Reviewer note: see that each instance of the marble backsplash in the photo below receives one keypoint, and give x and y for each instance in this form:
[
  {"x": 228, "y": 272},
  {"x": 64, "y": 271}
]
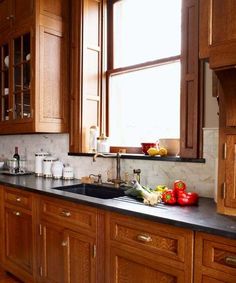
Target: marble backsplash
[{"x": 200, "y": 177}]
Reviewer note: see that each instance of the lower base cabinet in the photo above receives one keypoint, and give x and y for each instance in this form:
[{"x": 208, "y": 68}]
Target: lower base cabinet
[
  {"x": 68, "y": 242},
  {"x": 67, "y": 256},
  {"x": 49, "y": 240},
  {"x": 140, "y": 251},
  {"x": 215, "y": 259}
]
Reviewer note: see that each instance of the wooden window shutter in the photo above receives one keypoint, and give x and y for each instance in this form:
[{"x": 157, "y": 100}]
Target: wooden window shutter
[
  {"x": 86, "y": 70},
  {"x": 190, "y": 99}
]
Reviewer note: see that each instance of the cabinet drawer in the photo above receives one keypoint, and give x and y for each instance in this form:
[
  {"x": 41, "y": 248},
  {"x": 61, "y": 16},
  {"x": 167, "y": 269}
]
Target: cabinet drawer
[
  {"x": 164, "y": 240},
  {"x": 18, "y": 198},
  {"x": 78, "y": 215},
  {"x": 219, "y": 254}
]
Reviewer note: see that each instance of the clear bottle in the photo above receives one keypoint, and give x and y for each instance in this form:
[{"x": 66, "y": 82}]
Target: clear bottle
[
  {"x": 102, "y": 144},
  {"x": 93, "y": 134}
]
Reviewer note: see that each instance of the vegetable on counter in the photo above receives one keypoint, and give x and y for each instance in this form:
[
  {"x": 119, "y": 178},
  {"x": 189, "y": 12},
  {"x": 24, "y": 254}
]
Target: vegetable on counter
[
  {"x": 149, "y": 196},
  {"x": 169, "y": 197},
  {"x": 190, "y": 198},
  {"x": 179, "y": 186}
]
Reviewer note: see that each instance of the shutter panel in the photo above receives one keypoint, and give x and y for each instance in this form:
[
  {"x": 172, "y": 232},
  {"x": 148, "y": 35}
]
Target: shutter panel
[
  {"x": 190, "y": 100},
  {"x": 87, "y": 70}
]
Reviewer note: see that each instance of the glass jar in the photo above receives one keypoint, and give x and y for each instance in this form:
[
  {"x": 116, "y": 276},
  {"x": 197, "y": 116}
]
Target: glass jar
[{"x": 102, "y": 144}]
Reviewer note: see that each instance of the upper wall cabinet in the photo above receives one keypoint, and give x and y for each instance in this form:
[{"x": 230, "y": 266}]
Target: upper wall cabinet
[
  {"x": 218, "y": 32},
  {"x": 34, "y": 66}
]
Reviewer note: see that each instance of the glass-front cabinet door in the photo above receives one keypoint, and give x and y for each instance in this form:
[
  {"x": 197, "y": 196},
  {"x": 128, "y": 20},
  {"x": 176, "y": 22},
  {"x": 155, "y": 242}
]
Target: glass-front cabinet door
[
  {"x": 5, "y": 81},
  {"x": 21, "y": 77}
]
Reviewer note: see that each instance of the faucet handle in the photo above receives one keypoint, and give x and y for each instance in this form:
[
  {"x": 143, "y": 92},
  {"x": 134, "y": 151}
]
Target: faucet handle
[
  {"x": 137, "y": 173},
  {"x": 99, "y": 178}
]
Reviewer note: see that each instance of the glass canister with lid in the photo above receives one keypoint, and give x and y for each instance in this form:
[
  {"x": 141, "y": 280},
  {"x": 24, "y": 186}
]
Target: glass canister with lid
[{"x": 102, "y": 144}]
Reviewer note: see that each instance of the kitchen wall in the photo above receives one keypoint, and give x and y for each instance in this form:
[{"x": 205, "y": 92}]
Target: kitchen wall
[{"x": 200, "y": 177}]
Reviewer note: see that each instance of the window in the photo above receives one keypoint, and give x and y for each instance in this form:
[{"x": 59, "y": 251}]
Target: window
[
  {"x": 148, "y": 87},
  {"x": 144, "y": 100}
]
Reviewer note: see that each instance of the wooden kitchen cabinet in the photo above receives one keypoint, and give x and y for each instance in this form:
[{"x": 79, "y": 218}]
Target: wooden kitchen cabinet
[
  {"x": 18, "y": 245},
  {"x": 68, "y": 243},
  {"x": 215, "y": 259},
  {"x": 142, "y": 251},
  {"x": 218, "y": 32},
  {"x": 34, "y": 68}
]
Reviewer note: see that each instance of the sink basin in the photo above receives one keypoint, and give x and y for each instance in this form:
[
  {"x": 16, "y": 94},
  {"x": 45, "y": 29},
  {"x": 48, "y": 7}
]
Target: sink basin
[{"x": 93, "y": 190}]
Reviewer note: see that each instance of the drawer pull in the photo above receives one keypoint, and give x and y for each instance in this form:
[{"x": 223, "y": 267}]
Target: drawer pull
[
  {"x": 66, "y": 213},
  {"x": 144, "y": 238},
  {"x": 18, "y": 199},
  {"x": 64, "y": 243},
  {"x": 230, "y": 260},
  {"x": 16, "y": 213}
]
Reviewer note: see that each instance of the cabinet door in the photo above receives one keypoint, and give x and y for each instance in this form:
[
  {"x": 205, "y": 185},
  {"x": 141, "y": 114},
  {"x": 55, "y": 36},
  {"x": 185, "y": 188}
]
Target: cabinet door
[
  {"x": 230, "y": 172},
  {"x": 223, "y": 33},
  {"x": 18, "y": 239},
  {"x": 133, "y": 268},
  {"x": 5, "y": 12},
  {"x": 52, "y": 253},
  {"x": 80, "y": 258}
]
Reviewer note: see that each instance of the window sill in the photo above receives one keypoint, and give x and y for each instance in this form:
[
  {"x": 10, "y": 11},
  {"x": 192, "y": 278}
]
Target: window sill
[{"x": 147, "y": 157}]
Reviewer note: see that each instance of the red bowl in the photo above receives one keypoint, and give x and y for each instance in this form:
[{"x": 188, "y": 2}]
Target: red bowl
[{"x": 146, "y": 146}]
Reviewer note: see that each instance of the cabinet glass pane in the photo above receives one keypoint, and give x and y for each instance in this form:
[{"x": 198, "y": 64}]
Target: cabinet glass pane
[
  {"x": 26, "y": 75},
  {"x": 18, "y": 106},
  {"x": 17, "y": 78},
  {"x": 26, "y": 105},
  {"x": 4, "y": 82},
  {"x": 26, "y": 47},
  {"x": 5, "y": 108},
  {"x": 17, "y": 50}
]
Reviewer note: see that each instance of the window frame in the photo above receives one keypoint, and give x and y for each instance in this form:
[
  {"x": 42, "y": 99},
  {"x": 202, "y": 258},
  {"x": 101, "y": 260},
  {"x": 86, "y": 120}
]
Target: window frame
[{"x": 121, "y": 70}]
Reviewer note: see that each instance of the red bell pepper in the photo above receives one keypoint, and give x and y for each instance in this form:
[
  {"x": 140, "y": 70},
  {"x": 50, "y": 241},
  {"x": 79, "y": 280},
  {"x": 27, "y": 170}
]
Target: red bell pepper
[
  {"x": 168, "y": 197},
  {"x": 179, "y": 186},
  {"x": 187, "y": 198}
]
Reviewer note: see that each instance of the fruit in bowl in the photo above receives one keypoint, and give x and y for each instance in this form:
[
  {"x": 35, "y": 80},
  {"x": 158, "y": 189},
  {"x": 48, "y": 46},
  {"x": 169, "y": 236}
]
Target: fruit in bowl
[{"x": 146, "y": 145}]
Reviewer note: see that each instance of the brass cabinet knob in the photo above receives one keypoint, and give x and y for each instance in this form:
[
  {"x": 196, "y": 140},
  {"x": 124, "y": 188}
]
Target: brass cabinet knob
[
  {"x": 17, "y": 213},
  {"x": 144, "y": 238},
  {"x": 18, "y": 199},
  {"x": 66, "y": 213},
  {"x": 64, "y": 243}
]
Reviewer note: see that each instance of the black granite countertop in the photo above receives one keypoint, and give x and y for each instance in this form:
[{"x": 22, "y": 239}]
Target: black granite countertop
[{"x": 198, "y": 218}]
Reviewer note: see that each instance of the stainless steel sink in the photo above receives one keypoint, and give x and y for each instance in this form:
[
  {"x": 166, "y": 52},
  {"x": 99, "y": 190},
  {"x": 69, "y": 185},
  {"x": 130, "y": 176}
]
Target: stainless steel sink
[{"x": 94, "y": 190}]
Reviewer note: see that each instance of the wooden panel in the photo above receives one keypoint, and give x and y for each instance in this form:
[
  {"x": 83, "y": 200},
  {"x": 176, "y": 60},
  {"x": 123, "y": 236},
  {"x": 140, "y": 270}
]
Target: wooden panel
[
  {"x": 5, "y": 12},
  {"x": 215, "y": 259},
  {"x": 18, "y": 198},
  {"x": 81, "y": 216},
  {"x": 53, "y": 8},
  {"x": 126, "y": 267},
  {"x": 53, "y": 77},
  {"x": 52, "y": 253},
  {"x": 18, "y": 238},
  {"x": 204, "y": 28},
  {"x": 230, "y": 172},
  {"x": 223, "y": 21},
  {"x": 23, "y": 10},
  {"x": 189, "y": 117},
  {"x": 87, "y": 68},
  {"x": 80, "y": 258}
]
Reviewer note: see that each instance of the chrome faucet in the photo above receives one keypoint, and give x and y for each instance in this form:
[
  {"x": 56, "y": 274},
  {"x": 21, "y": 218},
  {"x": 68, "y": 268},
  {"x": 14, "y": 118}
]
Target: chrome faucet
[{"x": 117, "y": 181}]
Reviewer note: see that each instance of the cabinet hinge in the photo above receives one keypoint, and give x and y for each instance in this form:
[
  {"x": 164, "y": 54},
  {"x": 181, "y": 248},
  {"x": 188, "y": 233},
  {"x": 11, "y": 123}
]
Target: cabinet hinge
[
  {"x": 224, "y": 151},
  {"x": 40, "y": 229},
  {"x": 41, "y": 271},
  {"x": 94, "y": 251},
  {"x": 223, "y": 189}
]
